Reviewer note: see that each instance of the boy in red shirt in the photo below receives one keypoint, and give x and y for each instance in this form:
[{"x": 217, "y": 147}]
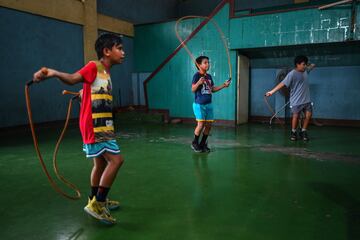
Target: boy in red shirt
[{"x": 96, "y": 121}]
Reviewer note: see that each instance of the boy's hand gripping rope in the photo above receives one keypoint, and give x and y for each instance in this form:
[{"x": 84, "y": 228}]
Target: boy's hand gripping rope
[{"x": 57, "y": 173}]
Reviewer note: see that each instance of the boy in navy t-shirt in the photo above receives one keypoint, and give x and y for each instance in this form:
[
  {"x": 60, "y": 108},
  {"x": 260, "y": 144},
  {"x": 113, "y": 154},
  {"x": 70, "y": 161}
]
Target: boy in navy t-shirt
[
  {"x": 297, "y": 82},
  {"x": 203, "y": 87}
]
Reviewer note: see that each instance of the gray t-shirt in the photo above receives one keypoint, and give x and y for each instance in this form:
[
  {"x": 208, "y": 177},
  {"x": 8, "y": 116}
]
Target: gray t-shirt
[{"x": 298, "y": 84}]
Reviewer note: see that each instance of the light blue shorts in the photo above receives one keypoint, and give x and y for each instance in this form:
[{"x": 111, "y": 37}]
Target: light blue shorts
[
  {"x": 96, "y": 149},
  {"x": 203, "y": 112}
]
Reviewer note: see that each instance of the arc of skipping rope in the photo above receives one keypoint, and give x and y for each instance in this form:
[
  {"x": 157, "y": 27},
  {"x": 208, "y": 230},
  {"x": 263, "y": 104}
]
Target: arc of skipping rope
[
  {"x": 222, "y": 35},
  {"x": 273, "y": 112},
  {"x": 277, "y": 112},
  {"x": 36, "y": 145}
]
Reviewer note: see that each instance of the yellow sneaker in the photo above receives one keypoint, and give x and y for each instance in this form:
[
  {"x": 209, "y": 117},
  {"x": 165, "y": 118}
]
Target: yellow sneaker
[
  {"x": 112, "y": 204},
  {"x": 98, "y": 210}
]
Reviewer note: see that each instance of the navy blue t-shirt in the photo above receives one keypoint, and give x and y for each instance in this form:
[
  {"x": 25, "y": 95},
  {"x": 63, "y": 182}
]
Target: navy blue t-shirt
[{"x": 203, "y": 93}]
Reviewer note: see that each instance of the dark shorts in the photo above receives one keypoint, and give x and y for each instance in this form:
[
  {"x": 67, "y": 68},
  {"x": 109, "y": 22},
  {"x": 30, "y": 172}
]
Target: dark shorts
[{"x": 307, "y": 107}]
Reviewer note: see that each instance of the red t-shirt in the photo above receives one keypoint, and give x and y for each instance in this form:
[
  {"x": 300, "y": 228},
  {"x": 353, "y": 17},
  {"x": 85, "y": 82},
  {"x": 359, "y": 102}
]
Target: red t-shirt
[
  {"x": 96, "y": 120},
  {"x": 88, "y": 72}
]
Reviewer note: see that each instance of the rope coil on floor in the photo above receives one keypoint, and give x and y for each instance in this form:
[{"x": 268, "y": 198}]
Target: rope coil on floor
[
  {"x": 36, "y": 145},
  {"x": 218, "y": 29}
]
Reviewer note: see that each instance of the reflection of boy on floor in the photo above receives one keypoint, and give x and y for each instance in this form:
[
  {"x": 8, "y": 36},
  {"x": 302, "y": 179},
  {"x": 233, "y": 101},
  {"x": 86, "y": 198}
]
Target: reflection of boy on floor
[
  {"x": 203, "y": 87},
  {"x": 297, "y": 82}
]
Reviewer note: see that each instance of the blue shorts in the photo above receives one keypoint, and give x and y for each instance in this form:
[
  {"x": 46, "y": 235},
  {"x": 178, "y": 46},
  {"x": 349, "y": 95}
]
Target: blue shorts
[
  {"x": 307, "y": 107},
  {"x": 96, "y": 149},
  {"x": 203, "y": 112}
]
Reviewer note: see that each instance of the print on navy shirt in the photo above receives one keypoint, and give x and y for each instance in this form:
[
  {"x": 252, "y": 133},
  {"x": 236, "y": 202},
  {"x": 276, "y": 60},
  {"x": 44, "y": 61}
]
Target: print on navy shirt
[{"x": 203, "y": 95}]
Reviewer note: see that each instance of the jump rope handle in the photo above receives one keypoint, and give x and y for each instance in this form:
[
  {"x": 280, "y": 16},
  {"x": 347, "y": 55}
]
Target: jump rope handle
[
  {"x": 44, "y": 71},
  {"x": 65, "y": 92},
  {"x": 29, "y": 83},
  {"x": 76, "y": 94}
]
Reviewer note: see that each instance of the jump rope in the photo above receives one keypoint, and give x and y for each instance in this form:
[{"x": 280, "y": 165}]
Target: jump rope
[
  {"x": 275, "y": 113},
  {"x": 36, "y": 144},
  {"x": 218, "y": 29}
]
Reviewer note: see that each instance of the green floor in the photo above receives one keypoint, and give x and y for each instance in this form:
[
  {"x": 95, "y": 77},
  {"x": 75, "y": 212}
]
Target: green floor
[{"x": 255, "y": 185}]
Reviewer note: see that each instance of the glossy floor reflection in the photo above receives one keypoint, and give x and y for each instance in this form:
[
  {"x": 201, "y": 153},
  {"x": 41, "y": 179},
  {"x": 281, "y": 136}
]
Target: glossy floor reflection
[{"x": 256, "y": 184}]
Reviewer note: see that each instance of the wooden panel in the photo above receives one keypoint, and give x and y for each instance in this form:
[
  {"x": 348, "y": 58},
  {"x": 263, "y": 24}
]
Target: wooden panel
[
  {"x": 243, "y": 90},
  {"x": 72, "y": 11},
  {"x": 90, "y": 30},
  {"x": 115, "y": 25},
  {"x": 65, "y": 10},
  {"x": 77, "y": 12}
]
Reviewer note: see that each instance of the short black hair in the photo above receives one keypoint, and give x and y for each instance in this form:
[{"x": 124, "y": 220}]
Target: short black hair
[
  {"x": 200, "y": 59},
  {"x": 106, "y": 40},
  {"x": 301, "y": 59}
]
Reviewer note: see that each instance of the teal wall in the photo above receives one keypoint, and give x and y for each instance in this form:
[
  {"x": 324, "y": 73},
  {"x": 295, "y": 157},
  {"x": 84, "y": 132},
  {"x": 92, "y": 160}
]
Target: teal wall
[
  {"x": 171, "y": 87},
  {"x": 139, "y": 11},
  {"x": 334, "y": 83},
  {"x": 121, "y": 76},
  {"x": 271, "y": 41},
  {"x": 324, "y": 55},
  {"x": 153, "y": 43},
  {"x": 29, "y": 42},
  {"x": 293, "y": 28},
  {"x": 334, "y": 92}
]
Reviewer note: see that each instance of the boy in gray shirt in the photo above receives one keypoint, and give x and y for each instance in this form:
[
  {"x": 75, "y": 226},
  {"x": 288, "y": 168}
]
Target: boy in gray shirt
[{"x": 297, "y": 82}]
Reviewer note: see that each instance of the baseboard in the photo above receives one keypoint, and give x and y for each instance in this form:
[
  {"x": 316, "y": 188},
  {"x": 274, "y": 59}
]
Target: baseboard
[
  {"x": 130, "y": 108},
  {"x": 168, "y": 118},
  {"x": 164, "y": 112},
  {"x": 217, "y": 122}
]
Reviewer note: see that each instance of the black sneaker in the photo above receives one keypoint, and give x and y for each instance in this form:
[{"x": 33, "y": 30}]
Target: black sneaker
[
  {"x": 293, "y": 136},
  {"x": 205, "y": 148},
  {"x": 304, "y": 136},
  {"x": 196, "y": 147}
]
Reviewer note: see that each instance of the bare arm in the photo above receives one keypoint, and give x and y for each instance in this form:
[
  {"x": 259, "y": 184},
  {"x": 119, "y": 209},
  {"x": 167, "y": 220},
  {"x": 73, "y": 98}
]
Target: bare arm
[
  {"x": 66, "y": 78},
  {"x": 195, "y": 86},
  {"x": 277, "y": 88},
  {"x": 224, "y": 85}
]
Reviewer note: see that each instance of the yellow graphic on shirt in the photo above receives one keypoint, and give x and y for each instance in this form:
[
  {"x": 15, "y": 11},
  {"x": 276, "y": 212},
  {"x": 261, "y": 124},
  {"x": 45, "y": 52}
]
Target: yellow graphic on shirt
[{"x": 101, "y": 100}]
